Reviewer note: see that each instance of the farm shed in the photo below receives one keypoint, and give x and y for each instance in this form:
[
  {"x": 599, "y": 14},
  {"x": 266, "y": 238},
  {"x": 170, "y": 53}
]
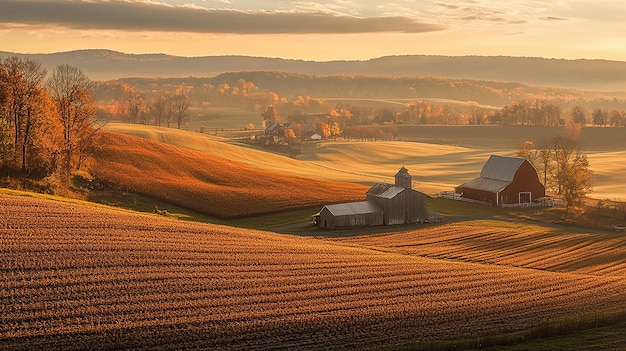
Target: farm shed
[
  {"x": 386, "y": 204},
  {"x": 351, "y": 214},
  {"x": 400, "y": 203},
  {"x": 504, "y": 180}
]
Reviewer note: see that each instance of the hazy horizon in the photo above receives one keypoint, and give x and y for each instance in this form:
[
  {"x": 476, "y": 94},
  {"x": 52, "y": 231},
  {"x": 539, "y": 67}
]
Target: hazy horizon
[{"x": 320, "y": 30}]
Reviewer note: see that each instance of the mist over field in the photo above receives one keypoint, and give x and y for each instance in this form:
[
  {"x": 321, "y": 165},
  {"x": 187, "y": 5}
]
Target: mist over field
[{"x": 600, "y": 75}]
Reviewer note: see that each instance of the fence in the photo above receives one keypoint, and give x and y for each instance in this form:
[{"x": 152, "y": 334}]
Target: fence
[{"x": 545, "y": 202}]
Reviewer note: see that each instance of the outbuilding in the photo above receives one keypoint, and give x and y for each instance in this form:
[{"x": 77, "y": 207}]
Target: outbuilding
[
  {"x": 351, "y": 214},
  {"x": 401, "y": 203},
  {"x": 386, "y": 204},
  {"x": 504, "y": 180}
]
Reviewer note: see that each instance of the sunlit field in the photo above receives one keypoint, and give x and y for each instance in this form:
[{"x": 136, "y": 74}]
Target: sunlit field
[
  {"x": 602, "y": 254},
  {"x": 208, "y": 183},
  {"x": 447, "y": 156},
  {"x": 86, "y": 277},
  {"x": 222, "y": 117}
]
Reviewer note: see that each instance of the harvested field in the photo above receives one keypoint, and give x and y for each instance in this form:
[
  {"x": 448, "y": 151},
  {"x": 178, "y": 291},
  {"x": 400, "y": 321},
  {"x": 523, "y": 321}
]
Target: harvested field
[
  {"x": 602, "y": 254},
  {"x": 86, "y": 277}
]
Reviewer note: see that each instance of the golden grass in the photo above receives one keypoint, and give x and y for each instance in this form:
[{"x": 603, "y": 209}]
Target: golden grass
[
  {"x": 209, "y": 184},
  {"x": 79, "y": 277},
  {"x": 434, "y": 167},
  {"x": 609, "y": 170},
  {"x": 220, "y": 147}
]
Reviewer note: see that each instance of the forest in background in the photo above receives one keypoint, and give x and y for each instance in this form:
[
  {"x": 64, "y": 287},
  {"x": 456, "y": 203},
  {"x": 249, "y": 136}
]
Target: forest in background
[
  {"x": 598, "y": 75},
  {"x": 356, "y": 100}
]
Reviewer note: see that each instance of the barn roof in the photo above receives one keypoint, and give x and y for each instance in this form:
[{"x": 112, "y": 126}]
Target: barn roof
[
  {"x": 497, "y": 173},
  {"x": 385, "y": 190},
  {"x": 501, "y": 167},
  {"x": 486, "y": 184},
  {"x": 354, "y": 208}
]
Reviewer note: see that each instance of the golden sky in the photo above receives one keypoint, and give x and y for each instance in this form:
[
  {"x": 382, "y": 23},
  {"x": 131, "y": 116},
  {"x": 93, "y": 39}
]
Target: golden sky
[{"x": 319, "y": 30}]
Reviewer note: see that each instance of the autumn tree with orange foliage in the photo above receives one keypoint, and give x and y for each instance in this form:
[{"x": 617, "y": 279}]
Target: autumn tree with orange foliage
[
  {"x": 71, "y": 91},
  {"x": 45, "y": 126},
  {"x": 28, "y": 140},
  {"x": 270, "y": 115}
]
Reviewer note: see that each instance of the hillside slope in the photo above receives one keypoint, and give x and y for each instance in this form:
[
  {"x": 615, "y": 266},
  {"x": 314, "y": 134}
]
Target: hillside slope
[
  {"x": 209, "y": 184},
  {"x": 581, "y": 74},
  {"x": 438, "y": 157},
  {"x": 77, "y": 277}
]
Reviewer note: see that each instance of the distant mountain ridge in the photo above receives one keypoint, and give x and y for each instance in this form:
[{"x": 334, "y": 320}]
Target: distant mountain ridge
[{"x": 602, "y": 75}]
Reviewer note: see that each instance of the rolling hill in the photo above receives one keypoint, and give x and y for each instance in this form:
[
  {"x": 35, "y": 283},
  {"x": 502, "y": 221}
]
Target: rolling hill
[
  {"x": 438, "y": 157},
  {"x": 209, "y": 184},
  {"x": 84, "y": 277},
  {"x": 581, "y": 74}
]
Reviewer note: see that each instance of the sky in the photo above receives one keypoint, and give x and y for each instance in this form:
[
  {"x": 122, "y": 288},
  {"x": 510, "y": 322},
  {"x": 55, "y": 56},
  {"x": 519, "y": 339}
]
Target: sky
[{"x": 319, "y": 30}]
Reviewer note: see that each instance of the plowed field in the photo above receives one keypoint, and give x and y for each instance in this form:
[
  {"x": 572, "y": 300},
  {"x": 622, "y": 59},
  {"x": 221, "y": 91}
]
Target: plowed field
[{"x": 81, "y": 277}]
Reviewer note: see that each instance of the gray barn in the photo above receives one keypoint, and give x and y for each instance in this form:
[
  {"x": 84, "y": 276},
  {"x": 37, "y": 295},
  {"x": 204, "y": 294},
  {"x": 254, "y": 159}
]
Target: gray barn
[
  {"x": 386, "y": 204},
  {"x": 351, "y": 214}
]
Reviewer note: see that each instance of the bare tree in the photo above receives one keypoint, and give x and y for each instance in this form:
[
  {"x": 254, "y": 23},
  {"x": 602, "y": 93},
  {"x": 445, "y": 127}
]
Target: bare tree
[
  {"x": 159, "y": 109},
  {"x": 71, "y": 90},
  {"x": 544, "y": 159},
  {"x": 134, "y": 107},
  {"x": 180, "y": 105},
  {"x": 539, "y": 155},
  {"x": 579, "y": 115},
  {"x": 617, "y": 118},
  {"x": 600, "y": 117}
]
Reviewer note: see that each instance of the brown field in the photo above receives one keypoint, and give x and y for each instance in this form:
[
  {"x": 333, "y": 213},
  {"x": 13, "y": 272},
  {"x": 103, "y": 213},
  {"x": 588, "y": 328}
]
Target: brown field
[
  {"x": 207, "y": 183},
  {"x": 85, "y": 277},
  {"x": 438, "y": 157},
  {"x": 602, "y": 254}
]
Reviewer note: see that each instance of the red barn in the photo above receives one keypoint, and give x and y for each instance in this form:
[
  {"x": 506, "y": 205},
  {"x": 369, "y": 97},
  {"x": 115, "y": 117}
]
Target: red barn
[{"x": 504, "y": 180}]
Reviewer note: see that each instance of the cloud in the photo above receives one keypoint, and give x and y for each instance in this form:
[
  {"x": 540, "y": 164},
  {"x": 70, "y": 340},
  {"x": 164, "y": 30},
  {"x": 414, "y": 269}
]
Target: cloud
[
  {"x": 152, "y": 16},
  {"x": 552, "y": 18}
]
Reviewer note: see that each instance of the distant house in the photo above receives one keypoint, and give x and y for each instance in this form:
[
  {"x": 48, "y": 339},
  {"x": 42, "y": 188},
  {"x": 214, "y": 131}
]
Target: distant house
[
  {"x": 386, "y": 204},
  {"x": 504, "y": 180},
  {"x": 275, "y": 129}
]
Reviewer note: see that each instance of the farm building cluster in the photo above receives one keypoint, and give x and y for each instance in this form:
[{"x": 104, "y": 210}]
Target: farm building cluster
[
  {"x": 386, "y": 204},
  {"x": 504, "y": 181},
  {"x": 277, "y": 133}
]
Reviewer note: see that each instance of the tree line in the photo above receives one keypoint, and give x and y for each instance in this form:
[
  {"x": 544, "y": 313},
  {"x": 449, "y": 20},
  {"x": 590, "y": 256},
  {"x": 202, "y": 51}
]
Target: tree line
[
  {"x": 159, "y": 110},
  {"x": 47, "y": 123},
  {"x": 171, "y": 102}
]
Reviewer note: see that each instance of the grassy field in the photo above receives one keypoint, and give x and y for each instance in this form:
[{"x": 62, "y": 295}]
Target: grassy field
[
  {"x": 78, "y": 276},
  {"x": 438, "y": 157},
  {"x": 208, "y": 184},
  {"x": 218, "y": 118}
]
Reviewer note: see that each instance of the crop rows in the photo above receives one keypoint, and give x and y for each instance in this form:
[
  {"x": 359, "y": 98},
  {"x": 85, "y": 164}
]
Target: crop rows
[
  {"x": 77, "y": 277},
  {"x": 582, "y": 253}
]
